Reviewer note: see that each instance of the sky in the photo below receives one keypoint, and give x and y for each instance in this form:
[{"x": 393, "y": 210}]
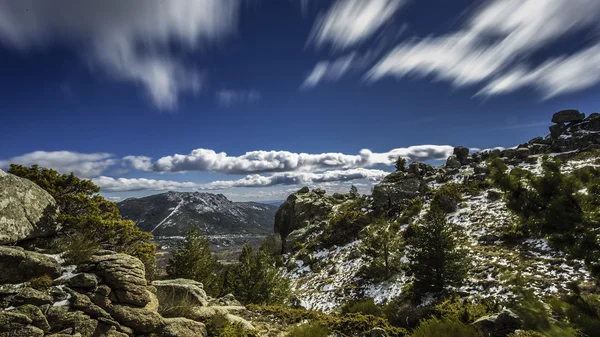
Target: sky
[{"x": 257, "y": 98}]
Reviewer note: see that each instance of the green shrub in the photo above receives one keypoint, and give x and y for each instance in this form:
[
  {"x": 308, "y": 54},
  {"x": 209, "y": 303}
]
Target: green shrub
[
  {"x": 78, "y": 248},
  {"x": 364, "y": 306},
  {"x": 309, "y": 330},
  {"x": 400, "y": 164},
  {"x": 41, "y": 283},
  {"x": 435, "y": 327},
  {"x": 352, "y": 324},
  {"x": 173, "y": 306},
  {"x": 344, "y": 226},
  {"x": 446, "y": 198},
  {"x": 464, "y": 310},
  {"x": 403, "y": 312}
]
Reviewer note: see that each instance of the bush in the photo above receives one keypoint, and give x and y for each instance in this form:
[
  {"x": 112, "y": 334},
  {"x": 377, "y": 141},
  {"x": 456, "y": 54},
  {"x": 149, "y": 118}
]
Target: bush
[
  {"x": 174, "y": 306},
  {"x": 400, "y": 164},
  {"x": 309, "y": 330},
  {"x": 446, "y": 198},
  {"x": 78, "y": 248},
  {"x": 41, "y": 283},
  {"x": 353, "y": 324},
  {"x": 345, "y": 225},
  {"x": 435, "y": 327},
  {"x": 464, "y": 310},
  {"x": 364, "y": 306}
]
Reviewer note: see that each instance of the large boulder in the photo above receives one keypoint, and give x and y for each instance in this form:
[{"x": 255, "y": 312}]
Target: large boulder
[
  {"x": 498, "y": 325},
  {"x": 567, "y": 116},
  {"x": 140, "y": 320},
  {"x": 182, "y": 327},
  {"x": 299, "y": 208},
  {"x": 16, "y": 324},
  {"x": 395, "y": 187},
  {"x": 18, "y": 265},
  {"x": 124, "y": 274},
  {"x": 26, "y": 210},
  {"x": 181, "y": 290}
]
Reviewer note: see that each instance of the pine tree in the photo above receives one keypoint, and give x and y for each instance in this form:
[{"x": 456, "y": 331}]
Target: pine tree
[
  {"x": 256, "y": 279},
  {"x": 379, "y": 244},
  {"x": 400, "y": 164},
  {"x": 194, "y": 260},
  {"x": 354, "y": 191},
  {"x": 436, "y": 258}
]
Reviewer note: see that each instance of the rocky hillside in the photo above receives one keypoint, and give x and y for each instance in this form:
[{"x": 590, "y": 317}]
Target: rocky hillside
[
  {"x": 104, "y": 294},
  {"x": 173, "y": 213},
  {"x": 329, "y": 270}
]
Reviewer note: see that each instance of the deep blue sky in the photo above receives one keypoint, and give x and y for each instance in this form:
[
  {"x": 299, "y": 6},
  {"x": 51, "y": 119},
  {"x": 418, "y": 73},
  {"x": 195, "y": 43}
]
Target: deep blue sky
[{"x": 62, "y": 89}]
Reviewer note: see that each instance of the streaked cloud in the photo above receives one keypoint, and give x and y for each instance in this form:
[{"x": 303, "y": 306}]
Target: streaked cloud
[
  {"x": 329, "y": 70},
  {"x": 109, "y": 184},
  {"x": 494, "y": 45},
  {"x": 126, "y": 40},
  {"x": 84, "y": 165},
  {"x": 285, "y": 161},
  {"x": 297, "y": 178},
  {"x": 349, "y": 22},
  {"x": 228, "y": 98}
]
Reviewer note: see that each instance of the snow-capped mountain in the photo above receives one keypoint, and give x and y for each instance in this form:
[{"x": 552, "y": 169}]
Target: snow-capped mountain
[{"x": 173, "y": 213}]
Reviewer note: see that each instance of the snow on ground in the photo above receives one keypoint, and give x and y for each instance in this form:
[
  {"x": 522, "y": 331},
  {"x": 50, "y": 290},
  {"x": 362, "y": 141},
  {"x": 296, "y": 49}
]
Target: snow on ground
[{"x": 332, "y": 277}]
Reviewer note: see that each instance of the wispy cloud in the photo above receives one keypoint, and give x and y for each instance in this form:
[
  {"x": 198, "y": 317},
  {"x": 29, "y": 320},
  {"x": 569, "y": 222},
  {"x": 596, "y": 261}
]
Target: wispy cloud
[
  {"x": 494, "y": 45},
  {"x": 329, "y": 70},
  {"x": 111, "y": 32},
  {"x": 228, "y": 98},
  {"x": 84, "y": 165},
  {"x": 349, "y": 22}
]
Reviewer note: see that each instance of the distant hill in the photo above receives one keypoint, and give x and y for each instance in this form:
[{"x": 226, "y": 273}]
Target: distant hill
[{"x": 173, "y": 213}]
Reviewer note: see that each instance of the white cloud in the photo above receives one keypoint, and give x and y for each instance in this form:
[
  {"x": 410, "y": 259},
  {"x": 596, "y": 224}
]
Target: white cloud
[
  {"x": 298, "y": 178},
  {"x": 128, "y": 40},
  {"x": 349, "y": 22},
  {"x": 109, "y": 184},
  {"x": 496, "y": 41},
  {"x": 140, "y": 163},
  {"x": 329, "y": 70},
  {"x": 228, "y": 98},
  {"x": 285, "y": 161},
  {"x": 84, "y": 165}
]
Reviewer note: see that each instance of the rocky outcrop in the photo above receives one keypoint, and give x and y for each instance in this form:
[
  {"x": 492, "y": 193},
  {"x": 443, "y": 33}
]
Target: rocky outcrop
[
  {"x": 18, "y": 265},
  {"x": 189, "y": 290},
  {"x": 498, "y": 325},
  {"x": 400, "y": 185},
  {"x": 567, "y": 116},
  {"x": 26, "y": 210},
  {"x": 299, "y": 207}
]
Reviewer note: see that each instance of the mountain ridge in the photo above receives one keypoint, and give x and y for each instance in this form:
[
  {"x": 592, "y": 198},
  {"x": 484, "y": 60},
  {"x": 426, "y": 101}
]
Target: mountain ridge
[{"x": 173, "y": 213}]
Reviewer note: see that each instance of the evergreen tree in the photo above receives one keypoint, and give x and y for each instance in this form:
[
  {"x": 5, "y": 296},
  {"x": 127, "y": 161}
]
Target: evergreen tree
[
  {"x": 436, "y": 257},
  {"x": 193, "y": 260},
  {"x": 88, "y": 217},
  {"x": 379, "y": 244},
  {"x": 256, "y": 279},
  {"x": 354, "y": 191},
  {"x": 400, "y": 164}
]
